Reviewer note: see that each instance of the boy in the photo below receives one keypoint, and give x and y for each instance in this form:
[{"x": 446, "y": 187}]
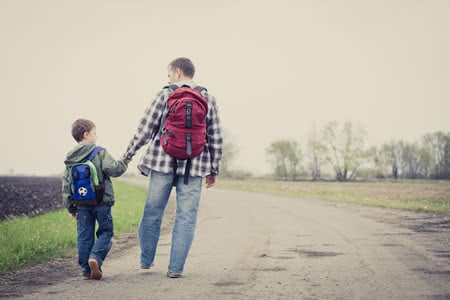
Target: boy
[{"x": 91, "y": 253}]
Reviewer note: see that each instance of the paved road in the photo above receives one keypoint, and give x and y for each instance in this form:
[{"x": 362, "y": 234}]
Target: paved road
[{"x": 260, "y": 246}]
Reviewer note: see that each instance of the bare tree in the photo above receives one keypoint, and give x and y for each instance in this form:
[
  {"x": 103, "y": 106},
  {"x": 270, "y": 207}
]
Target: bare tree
[
  {"x": 276, "y": 157},
  {"x": 413, "y": 161},
  {"x": 393, "y": 152},
  {"x": 294, "y": 158},
  {"x": 317, "y": 154},
  {"x": 438, "y": 145},
  {"x": 285, "y": 156},
  {"x": 377, "y": 159},
  {"x": 344, "y": 148}
]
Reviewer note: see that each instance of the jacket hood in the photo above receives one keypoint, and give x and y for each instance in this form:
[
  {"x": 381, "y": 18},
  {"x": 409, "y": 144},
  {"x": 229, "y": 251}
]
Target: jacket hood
[{"x": 80, "y": 152}]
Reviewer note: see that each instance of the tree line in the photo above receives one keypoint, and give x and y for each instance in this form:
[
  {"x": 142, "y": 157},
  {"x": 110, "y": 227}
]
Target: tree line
[{"x": 340, "y": 152}]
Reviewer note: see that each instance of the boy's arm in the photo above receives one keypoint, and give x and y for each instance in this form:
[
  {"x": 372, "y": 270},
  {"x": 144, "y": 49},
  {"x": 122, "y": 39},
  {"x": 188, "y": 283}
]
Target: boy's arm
[
  {"x": 112, "y": 167},
  {"x": 148, "y": 125},
  {"x": 215, "y": 139},
  {"x": 66, "y": 194}
]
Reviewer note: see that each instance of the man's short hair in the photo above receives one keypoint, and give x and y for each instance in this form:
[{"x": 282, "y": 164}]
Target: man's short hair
[
  {"x": 79, "y": 127},
  {"x": 185, "y": 65}
]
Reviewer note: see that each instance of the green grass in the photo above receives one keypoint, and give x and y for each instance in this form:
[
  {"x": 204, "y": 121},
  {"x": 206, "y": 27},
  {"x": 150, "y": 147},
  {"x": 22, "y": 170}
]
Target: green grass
[
  {"x": 26, "y": 241},
  {"x": 418, "y": 181},
  {"x": 127, "y": 211},
  {"x": 431, "y": 196}
]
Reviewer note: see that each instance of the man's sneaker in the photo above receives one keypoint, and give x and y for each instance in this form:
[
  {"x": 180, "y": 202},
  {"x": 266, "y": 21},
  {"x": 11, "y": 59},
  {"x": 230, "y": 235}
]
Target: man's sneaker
[
  {"x": 144, "y": 267},
  {"x": 173, "y": 274},
  {"x": 95, "y": 270},
  {"x": 86, "y": 277}
]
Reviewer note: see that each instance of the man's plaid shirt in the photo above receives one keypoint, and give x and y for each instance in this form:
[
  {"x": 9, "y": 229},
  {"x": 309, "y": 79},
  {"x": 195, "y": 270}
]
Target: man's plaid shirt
[{"x": 207, "y": 163}]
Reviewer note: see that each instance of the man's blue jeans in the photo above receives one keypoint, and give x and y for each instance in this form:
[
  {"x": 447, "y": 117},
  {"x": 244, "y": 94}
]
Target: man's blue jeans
[
  {"x": 88, "y": 247},
  {"x": 188, "y": 198}
]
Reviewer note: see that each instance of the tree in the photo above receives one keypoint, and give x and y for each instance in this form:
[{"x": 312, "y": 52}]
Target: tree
[
  {"x": 294, "y": 158},
  {"x": 344, "y": 148},
  {"x": 377, "y": 159},
  {"x": 392, "y": 150},
  {"x": 285, "y": 156},
  {"x": 412, "y": 159},
  {"x": 438, "y": 145},
  {"x": 425, "y": 159},
  {"x": 446, "y": 160},
  {"x": 317, "y": 155}
]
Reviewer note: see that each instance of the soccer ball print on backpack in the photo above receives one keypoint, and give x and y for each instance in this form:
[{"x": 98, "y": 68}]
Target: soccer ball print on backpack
[{"x": 84, "y": 182}]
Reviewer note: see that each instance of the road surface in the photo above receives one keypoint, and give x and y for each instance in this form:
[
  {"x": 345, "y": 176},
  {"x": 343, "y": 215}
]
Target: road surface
[{"x": 262, "y": 246}]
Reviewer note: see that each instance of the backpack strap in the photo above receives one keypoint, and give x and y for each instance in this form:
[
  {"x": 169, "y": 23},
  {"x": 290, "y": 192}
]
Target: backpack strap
[
  {"x": 94, "y": 151},
  {"x": 200, "y": 89},
  {"x": 91, "y": 155},
  {"x": 171, "y": 87},
  {"x": 187, "y": 171}
]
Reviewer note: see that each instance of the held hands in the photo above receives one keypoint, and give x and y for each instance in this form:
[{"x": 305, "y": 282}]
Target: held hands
[
  {"x": 210, "y": 181},
  {"x": 74, "y": 214}
]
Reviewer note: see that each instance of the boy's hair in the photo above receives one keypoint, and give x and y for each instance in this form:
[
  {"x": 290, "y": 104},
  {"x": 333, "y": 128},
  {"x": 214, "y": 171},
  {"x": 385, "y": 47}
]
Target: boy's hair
[
  {"x": 185, "y": 65},
  {"x": 79, "y": 127}
]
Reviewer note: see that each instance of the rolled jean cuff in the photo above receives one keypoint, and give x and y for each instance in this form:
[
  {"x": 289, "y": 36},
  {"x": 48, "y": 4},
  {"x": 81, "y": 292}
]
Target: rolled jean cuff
[{"x": 98, "y": 259}]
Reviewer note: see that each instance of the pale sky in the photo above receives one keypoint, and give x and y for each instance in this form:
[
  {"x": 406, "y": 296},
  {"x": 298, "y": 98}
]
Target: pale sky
[{"x": 277, "y": 69}]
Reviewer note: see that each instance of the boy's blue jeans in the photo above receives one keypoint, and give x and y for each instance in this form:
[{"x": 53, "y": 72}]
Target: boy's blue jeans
[
  {"x": 188, "y": 198},
  {"x": 88, "y": 247}
]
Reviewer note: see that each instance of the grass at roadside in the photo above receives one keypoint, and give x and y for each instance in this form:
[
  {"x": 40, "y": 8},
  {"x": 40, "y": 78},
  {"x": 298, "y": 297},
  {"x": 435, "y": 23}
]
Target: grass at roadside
[
  {"x": 26, "y": 241},
  {"x": 433, "y": 196}
]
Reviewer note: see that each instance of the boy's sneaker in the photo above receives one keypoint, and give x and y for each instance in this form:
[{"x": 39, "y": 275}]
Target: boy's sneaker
[
  {"x": 95, "y": 270},
  {"x": 173, "y": 274}
]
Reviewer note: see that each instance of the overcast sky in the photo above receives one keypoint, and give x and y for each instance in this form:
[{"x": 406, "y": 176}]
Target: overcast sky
[{"x": 277, "y": 69}]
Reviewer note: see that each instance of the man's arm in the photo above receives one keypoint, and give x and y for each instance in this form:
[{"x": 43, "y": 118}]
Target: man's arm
[
  {"x": 148, "y": 125},
  {"x": 112, "y": 167},
  {"x": 215, "y": 142}
]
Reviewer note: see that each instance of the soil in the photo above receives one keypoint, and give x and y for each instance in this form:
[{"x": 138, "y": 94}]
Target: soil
[{"x": 29, "y": 196}]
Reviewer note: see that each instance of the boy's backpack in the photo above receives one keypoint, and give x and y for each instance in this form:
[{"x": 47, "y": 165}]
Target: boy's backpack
[
  {"x": 84, "y": 182},
  {"x": 183, "y": 128}
]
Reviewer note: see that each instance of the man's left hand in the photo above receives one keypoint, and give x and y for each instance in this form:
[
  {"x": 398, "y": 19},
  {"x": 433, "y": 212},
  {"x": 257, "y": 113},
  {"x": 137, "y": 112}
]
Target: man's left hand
[{"x": 210, "y": 181}]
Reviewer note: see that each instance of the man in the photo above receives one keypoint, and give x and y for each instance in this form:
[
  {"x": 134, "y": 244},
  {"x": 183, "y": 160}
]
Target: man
[{"x": 162, "y": 167}]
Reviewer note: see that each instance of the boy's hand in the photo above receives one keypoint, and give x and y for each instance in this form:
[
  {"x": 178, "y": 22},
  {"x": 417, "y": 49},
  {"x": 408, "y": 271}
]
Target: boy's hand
[
  {"x": 210, "y": 181},
  {"x": 74, "y": 214}
]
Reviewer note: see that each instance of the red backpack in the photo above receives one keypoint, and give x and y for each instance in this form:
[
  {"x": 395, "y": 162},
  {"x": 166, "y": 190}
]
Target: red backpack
[{"x": 183, "y": 128}]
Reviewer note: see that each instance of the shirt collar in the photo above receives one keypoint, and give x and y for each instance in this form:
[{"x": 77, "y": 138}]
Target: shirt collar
[{"x": 188, "y": 82}]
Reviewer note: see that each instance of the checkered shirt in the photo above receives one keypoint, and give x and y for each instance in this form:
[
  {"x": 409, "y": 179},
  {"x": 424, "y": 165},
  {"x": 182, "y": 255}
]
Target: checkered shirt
[{"x": 207, "y": 163}]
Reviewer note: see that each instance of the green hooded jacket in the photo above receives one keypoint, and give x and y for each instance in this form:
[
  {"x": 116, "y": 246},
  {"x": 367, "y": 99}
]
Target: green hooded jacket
[{"x": 106, "y": 166}]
